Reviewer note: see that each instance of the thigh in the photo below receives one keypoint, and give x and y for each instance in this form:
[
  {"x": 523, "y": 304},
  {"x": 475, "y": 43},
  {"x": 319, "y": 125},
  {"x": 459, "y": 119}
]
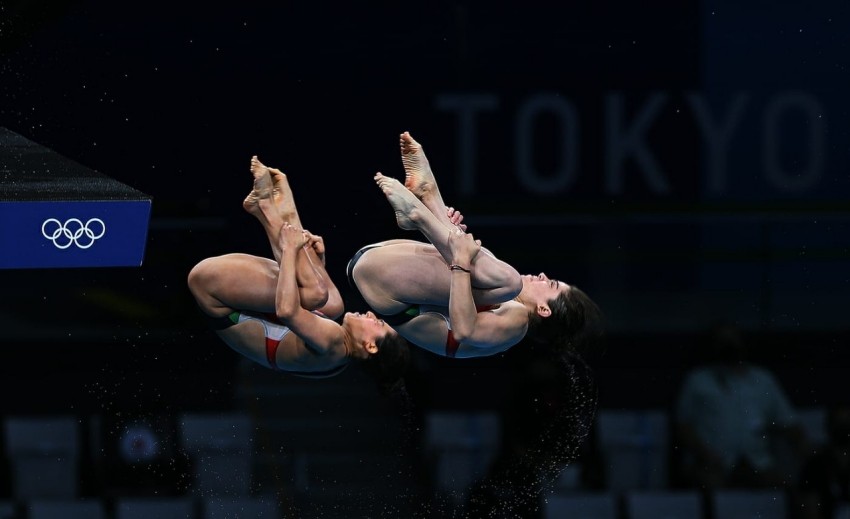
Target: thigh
[
  {"x": 230, "y": 282},
  {"x": 401, "y": 273}
]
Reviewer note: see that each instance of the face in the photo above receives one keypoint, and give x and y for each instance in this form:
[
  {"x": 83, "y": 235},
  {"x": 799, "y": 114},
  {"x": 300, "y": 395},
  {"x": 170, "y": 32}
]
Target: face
[
  {"x": 366, "y": 328},
  {"x": 541, "y": 289}
]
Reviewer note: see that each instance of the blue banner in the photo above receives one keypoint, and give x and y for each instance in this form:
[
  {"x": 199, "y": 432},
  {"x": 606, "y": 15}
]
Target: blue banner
[{"x": 59, "y": 234}]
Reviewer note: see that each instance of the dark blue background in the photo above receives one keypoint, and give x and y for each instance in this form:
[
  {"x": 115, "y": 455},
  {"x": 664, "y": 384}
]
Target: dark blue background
[{"x": 173, "y": 100}]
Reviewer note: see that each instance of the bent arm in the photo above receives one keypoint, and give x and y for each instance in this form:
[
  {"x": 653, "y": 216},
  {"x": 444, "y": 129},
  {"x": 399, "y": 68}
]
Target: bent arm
[
  {"x": 489, "y": 329},
  {"x": 497, "y": 329},
  {"x": 321, "y": 336},
  {"x": 463, "y": 249},
  {"x": 316, "y": 290},
  {"x": 462, "y": 312}
]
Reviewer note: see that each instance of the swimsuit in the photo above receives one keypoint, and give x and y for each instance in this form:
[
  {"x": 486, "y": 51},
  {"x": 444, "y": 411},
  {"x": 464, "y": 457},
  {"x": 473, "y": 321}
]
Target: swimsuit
[
  {"x": 275, "y": 331},
  {"x": 452, "y": 344}
]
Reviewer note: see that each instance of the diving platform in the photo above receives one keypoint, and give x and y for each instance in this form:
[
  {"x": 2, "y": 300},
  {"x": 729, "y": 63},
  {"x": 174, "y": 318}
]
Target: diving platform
[{"x": 57, "y": 213}]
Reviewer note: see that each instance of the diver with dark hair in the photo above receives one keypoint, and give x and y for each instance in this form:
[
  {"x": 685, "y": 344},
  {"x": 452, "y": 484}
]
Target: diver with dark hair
[
  {"x": 450, "y": 295},
  {"x": 287, "y": 314}
]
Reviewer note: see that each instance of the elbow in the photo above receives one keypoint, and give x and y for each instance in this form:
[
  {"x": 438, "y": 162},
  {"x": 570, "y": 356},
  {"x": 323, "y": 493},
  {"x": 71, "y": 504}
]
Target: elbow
[
  {"x": 514, "y": 284},
  {"x": 461, "y": 335},
  {"x": 285, "y": 311}
]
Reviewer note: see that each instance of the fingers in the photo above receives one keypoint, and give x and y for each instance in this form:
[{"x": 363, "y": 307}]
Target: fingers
[
  {"x": 459, "y": 236},
  {"x": 473, "y": 240},
  {"x": 316, "y": 242},
  {"x": 292, "y": 233},
  {"x": 456, "y": 218}
]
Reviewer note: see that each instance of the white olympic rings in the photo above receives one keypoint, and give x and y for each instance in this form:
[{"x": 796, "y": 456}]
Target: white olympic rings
[{"x": 71, "y": 231}]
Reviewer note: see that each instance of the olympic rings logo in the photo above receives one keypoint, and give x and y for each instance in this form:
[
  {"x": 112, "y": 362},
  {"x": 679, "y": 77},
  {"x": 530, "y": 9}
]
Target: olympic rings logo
[{"x": 73, "y": 231}]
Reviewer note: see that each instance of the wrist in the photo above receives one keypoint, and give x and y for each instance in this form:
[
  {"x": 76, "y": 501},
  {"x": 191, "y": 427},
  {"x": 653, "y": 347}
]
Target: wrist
[{"x": 455, "y": 267}]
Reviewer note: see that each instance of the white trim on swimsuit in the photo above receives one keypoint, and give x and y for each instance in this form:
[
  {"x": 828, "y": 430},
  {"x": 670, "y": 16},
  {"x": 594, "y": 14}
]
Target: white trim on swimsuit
[{"x": 274, "y": 331}]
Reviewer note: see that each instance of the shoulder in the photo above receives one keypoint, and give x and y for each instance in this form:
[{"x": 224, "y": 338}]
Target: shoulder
[
  {"x": 319, "y": 333},
  {"x": 509, "y": 314},
  {"x": 509, "y": 308}
]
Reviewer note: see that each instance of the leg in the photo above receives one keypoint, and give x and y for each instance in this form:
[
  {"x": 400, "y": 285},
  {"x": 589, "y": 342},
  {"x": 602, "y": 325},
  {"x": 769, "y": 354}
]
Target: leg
[
  {"x": 419, "y": 178},
  {"x": 489, "y": 273},
  {"x": 224, "y": 284},
  {"x": 271, "y": 202},
  {"x": 231, "y": 282},
  {"x": 260, "y": 204},
  {"x": 404, "y": 272},
  {"x": 283, "y": 197},
  {"x": 324, "y": 295}
]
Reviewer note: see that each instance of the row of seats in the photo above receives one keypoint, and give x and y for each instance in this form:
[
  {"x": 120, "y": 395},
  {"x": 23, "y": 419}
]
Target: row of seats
[
  {"x": 148, "y": 508},
  {"x": 635, "y": 445},
  {"x": 721, "y": 504},
  {"x": 726, "y": 504},
  {"x": 45, "y": 452}
]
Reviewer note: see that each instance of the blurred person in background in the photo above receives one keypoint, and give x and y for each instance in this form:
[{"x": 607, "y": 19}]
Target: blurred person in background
[{"x": 728, "y": 416}]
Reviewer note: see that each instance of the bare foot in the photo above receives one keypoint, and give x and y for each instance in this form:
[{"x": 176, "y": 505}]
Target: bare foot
[
  {"x": 262, "y": 187},
  {"x": 418, "y": 177},
  {"x": 283, "y": 199},
  {"x": 401, "y": 199}
]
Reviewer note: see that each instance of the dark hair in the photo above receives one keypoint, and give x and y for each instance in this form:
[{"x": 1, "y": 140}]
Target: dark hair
[
  {"x": 389, "y": 365},
  {"x": 574, "y": 324}
]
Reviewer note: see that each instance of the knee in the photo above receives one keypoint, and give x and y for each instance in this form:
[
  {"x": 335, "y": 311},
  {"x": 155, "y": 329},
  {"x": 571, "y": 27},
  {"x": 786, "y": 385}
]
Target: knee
[
  {"x": 334, "y": 307},
  {"x": 515, "y": 284},
  {"x": 201, "y": 276}
]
